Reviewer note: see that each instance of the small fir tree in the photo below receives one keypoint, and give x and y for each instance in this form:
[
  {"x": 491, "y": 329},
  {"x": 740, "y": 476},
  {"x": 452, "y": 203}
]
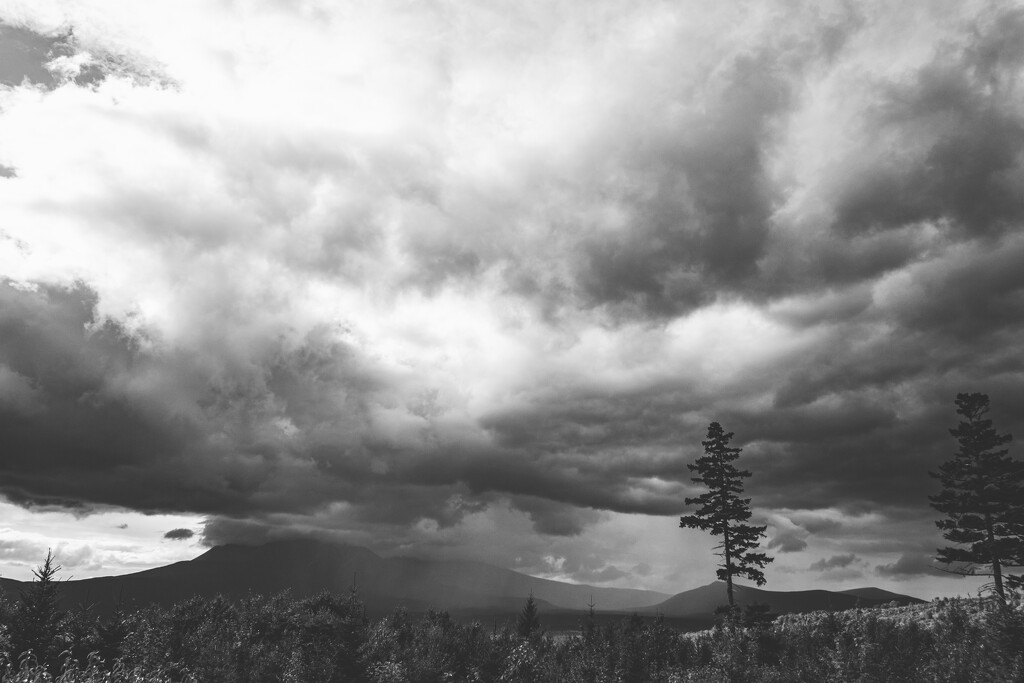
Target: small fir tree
[
  {"x": 982, "y": 496},
  {"x": 37, "y": 615},
  {"x": 528, "y": 622},
  {"x": 724, "y": 513},
  {"x": 588, "y": 627}
]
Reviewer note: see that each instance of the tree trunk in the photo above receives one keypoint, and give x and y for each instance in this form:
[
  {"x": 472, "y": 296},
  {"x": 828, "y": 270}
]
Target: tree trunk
[
  {"x": 997, "y": 569},
  {"x": 728, "y": 565}
]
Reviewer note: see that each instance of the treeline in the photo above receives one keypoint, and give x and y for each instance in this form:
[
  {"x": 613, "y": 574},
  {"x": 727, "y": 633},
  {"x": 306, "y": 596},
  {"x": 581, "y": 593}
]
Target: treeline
[{"x": 327, "y": 639}]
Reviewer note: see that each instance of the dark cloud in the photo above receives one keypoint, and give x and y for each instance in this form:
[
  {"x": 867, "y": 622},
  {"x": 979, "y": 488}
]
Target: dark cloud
[
  {"x": 562, "y": 466},
  {"x": 909, "y": 566},
  {"x": 937, "y": 163},
  {"x": 787, "y": 543},
  {"x": 42, "y": 59},
  {"x": 815, "y": 523},
  {"x": 555, "y": 519},
  {"x": 842, "y": 417},
  {"x": 963, "y": 110},
  {"x": 699, "y": 217},
  {"x": 179, "y": 534},
  {"x": 853, "y": 422},
  {"x": 123, "y": 441},
  {"x": 677, "y": 209},
  {"x": 976, "y": 295},
  {"x": 222, "y": 530},
  {"x": 147, "y": 430},
  {"x": 834, "y": 562},
  {"x": 23, "y": 55},
  {"x": 884, "y": 468}
]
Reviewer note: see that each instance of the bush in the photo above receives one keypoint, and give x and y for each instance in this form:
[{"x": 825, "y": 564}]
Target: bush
[{"x": 326, "y": 638}]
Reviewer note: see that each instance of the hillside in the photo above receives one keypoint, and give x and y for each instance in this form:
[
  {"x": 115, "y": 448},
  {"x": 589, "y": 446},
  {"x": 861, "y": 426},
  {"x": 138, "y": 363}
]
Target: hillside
[
  {"x": 306, "y": 567},
  {"x": 704, "y": 600},
  {"x": 877, "y": 594},
  {"x": 467, "y": 589}
]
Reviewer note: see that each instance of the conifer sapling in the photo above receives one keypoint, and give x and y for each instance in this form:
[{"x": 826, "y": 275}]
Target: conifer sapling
[{"x": 528, "y": 622}]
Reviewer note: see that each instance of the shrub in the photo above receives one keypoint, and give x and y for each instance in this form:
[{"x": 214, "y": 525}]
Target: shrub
[{"x": 326, "y": 638}]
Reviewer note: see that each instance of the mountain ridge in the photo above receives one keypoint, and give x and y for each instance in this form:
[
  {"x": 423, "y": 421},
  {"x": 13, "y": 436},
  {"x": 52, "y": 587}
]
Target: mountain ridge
[
  {"x": 305, "y": 567},
  {"x": 706, "y": 599}
]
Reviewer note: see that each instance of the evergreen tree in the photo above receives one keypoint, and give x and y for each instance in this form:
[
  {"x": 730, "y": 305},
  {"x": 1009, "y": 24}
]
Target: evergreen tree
[
  {"x": 528, "y": 622},
  {"x": 724, "y": 513},
  {"x": 982, "y": 496},
  {"x": 37, "y": 617},
  {"x": 588, "y": 627}
]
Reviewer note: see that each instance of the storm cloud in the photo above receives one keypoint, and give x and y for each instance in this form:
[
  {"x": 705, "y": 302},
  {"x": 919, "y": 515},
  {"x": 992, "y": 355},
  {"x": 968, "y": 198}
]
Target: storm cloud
[
  {"x": 910, "y": 565},
  {"x": 834, "y": 562},
  {"x": 402, "y": 273}
]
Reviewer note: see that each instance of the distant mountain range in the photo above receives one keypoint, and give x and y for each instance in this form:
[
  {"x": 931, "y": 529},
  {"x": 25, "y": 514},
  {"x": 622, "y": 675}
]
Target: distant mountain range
[
  {"x": 706, "y": 599},
  {"x": 467, "y": 589},
  {"x": 306, "y": 567}
]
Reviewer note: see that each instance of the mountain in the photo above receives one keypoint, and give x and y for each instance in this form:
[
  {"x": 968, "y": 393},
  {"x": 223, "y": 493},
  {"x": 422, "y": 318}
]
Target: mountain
[
  {"x": 880, "y": 595},
  {"x": 466, "y": 589},
  {"x": 704, "y": 600},
  {"x": 306, "y": 567}
]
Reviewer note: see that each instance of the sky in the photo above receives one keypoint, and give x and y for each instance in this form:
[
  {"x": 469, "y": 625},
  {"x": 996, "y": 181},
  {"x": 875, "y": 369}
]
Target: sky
[{"x": 471, "y": 279}]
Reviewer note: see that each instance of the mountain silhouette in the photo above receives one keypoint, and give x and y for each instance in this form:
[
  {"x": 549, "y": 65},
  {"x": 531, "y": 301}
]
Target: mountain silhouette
[
  {"x": 463, "y": 588},
  {"x": 877, "y": 594},
  {"x": 704, "y": 600},
  {"x": 306, "y": 567}
]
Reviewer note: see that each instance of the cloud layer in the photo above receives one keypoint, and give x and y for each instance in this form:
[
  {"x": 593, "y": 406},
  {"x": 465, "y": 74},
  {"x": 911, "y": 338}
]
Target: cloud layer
[{"x": 404, "y": 273}]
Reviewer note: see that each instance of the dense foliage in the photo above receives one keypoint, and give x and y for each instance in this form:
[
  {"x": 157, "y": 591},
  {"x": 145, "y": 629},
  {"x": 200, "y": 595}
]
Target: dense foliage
[
  {"x": 327, "y": 638},
  {"x": 722, "y": 512},
  {"x": 981, "y": 497}
]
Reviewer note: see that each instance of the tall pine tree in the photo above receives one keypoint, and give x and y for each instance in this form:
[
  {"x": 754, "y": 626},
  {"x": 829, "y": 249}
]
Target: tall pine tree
[
  {"x": 724, "y": 513},
  {"x": 982, "y": 496}
]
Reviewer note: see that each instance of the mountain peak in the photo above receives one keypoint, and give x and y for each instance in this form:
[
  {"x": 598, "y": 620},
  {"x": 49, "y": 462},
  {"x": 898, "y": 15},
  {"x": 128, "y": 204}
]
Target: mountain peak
[{"x": 306, "y": 566}]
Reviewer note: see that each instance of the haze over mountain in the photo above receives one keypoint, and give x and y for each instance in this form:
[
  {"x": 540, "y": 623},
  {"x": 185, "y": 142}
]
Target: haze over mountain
[
  {"x": 306, "y": 567},
  {"x": 468, "y": 589}
]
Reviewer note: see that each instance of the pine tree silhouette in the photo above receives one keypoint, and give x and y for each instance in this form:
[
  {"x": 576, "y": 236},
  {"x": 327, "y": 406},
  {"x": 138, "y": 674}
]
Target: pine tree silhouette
[
  {"x": 981, "y": 497},
  {"x": 528, "y": 622},
  {"x": 724, "y": 513},
  {"x": 588, "y": 627},
  {"x": 37, "y": 617}
]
